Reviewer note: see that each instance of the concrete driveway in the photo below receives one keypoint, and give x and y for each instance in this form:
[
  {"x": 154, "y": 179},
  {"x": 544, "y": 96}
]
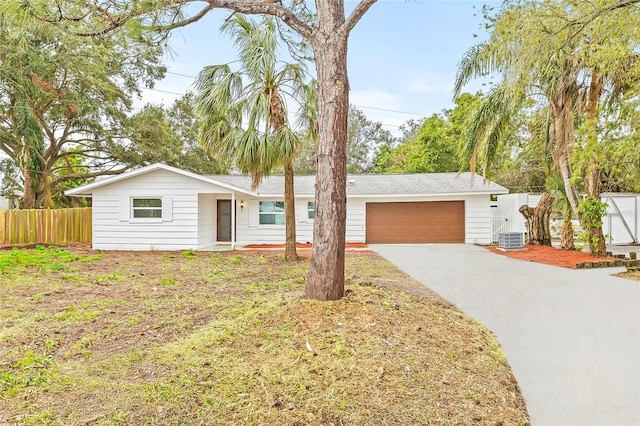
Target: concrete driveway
[{"x": 572, "y": 337}]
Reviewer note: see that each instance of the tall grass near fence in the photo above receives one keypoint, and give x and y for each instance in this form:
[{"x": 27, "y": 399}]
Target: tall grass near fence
[{"x": 57, "y": 226}]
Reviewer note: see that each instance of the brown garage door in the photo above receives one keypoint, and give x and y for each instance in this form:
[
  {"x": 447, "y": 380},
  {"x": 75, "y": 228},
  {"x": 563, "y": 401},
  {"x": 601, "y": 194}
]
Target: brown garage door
[{"x": 415, "y": 222}]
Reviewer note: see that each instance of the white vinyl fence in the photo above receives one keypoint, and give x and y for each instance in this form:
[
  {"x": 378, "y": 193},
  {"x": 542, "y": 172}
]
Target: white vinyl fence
[{"x": 622, "y": 222}]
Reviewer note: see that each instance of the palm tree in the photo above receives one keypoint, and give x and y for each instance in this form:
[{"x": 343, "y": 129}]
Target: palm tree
[
  {"x": 562, "y": 205},
  {"x": 562, "y": 70},
  {"x": 548, "y": 80},
  {"x": 244, "y": 112}
]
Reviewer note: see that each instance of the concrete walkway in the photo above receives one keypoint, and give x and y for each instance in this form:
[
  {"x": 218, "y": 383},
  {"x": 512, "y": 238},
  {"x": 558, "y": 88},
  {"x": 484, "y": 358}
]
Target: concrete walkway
[{"x": 572, "y": 337}]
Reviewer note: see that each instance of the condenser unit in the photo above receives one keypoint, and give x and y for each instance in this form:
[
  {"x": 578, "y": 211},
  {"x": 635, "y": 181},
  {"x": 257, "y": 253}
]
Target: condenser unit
[{"x": 511, "y": 240}]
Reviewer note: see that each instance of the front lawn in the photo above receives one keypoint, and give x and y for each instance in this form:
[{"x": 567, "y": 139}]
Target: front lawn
[{"x": 195, "y": 338}]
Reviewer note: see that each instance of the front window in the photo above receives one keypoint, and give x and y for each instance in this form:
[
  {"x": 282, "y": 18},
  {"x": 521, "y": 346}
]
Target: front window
[
  {"x": 271, "y": 212},
  {"x": 311, "y": 209},
  {"x": 147, "y": 208}
]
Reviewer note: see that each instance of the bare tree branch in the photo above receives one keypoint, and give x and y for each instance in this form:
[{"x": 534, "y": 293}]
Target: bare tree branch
[
  {"x": 63, "y": 178},
  {"x": 358, "y": 13},
  {"x": 253, "y": 7},
  {"x": 261, "y": 7}
]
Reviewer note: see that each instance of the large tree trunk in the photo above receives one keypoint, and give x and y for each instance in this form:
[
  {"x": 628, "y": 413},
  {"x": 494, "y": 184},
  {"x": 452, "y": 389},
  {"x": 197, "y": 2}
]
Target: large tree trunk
[
  {"x": 563, "y": 137},
  {"x": 597, "y": 242},
  {"x": 326, "y": 270},
  {"x": 566, "y": 234},
  {"x": 289, "y": 213},
  {"x": 28, "y": 198},
  {"x": 46, "y": 189},
  {"x": 537, "y": 220}
]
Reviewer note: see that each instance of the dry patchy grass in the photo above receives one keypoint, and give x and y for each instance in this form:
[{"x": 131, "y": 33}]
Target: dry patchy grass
[
  {"x": 224, "y": 338},
  {"x": 631, "y": 275}
]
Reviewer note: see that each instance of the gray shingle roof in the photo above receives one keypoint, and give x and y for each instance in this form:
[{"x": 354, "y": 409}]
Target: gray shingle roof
[{"x": 363, "y": 185}]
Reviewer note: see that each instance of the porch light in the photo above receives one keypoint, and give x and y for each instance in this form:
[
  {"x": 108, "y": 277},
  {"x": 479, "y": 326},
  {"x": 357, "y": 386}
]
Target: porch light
[{"x": 241, "y": 205}]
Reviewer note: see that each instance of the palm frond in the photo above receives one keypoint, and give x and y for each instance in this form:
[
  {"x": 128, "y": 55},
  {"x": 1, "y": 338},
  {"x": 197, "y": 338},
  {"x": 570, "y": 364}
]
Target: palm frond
[
  {"x": 488, "y": 127},
  {"x": 479, "y": 61}
]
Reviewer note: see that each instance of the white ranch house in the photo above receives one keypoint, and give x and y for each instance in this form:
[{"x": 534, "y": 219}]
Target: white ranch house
[{"x": 163, "y": 208}]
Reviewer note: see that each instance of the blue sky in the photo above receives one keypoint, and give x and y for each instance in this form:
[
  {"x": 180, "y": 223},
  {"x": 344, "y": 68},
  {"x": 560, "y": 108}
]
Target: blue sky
[{"x": 402, "y": 56}]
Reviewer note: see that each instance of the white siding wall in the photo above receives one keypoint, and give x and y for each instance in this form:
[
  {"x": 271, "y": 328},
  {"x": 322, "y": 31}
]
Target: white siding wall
[
  {"x": 477, "y": 211},
  {"x": 304, "y": 225},
  {"x": 249, "y": 231},
  {"x": 110, "y": 232},
  {"x": 356, "y": 220},
  {"x": 191, "y": 221},
  {"x": 477, "y": 220},
  {"x": 206, "y": 220},
  {"x": 4, "y": 203}
]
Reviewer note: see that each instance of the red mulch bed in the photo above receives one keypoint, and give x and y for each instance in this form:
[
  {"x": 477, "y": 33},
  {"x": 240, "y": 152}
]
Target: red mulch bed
[
  {"x": 301, "y": 245},
  {"x": 551, "y": 256},
  {"x": 303, "y": 249}
]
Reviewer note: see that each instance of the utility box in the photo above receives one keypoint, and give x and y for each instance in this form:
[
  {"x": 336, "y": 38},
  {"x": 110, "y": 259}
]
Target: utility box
[{"x": 511, "y": 240}]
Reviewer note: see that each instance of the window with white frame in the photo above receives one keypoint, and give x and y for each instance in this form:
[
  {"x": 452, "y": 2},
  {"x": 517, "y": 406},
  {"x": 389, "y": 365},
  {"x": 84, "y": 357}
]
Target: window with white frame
[
  {"x": 311, "y": 209},
  {"x": 146, "y": 208},
  {"x": 271, "y": 212}
]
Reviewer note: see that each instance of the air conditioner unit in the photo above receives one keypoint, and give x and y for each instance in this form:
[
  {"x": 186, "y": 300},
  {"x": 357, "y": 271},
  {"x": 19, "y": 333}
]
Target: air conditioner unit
[{"x": 511, "y": 240}]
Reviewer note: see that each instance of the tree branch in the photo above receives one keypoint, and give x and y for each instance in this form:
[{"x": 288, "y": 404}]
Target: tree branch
[
  {"x": 63, "y": 178},
  {"x": 251, "y": 7},
  {"x": 586, "y": 20},
  {"x": 190, "y": 20},
  {"x": 358, "y": 13},
  {"x": 254, "y": 7}
]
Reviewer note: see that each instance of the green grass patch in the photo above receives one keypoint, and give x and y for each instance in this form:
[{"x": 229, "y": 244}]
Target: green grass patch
[
  {"x": 231, "y": 341},
  {"x": 42, "y": 258}
]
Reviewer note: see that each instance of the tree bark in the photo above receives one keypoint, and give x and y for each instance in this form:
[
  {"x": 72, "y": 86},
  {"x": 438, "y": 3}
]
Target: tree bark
[
  {"x": 326, "y": 269},
  {"x": 597, "y": 242},
  {"x": 563, "y": 139},
  {"x": 28, "y": 198},
  {"x": 46, "y": 189},
  {"x": 566, "y": 235},
  {"x": 289, "y": 212},
  {"x": 537, "y": 220}
]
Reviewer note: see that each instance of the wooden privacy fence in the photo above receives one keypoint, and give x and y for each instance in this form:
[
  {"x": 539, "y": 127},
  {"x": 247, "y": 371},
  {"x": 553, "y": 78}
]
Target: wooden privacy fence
[{"x": 57, "y": 226}]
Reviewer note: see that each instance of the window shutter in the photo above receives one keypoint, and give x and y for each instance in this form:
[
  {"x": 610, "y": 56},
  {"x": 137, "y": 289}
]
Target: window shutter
[
  {"x": 254, "y": 212},
  {"x": 167, "y": 209},
  {"x": 124, "y": 208}
]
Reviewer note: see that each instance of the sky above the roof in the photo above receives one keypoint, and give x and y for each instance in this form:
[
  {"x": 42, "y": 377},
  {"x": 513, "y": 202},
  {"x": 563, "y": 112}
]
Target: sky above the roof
[{"x": 402, "y": 56}]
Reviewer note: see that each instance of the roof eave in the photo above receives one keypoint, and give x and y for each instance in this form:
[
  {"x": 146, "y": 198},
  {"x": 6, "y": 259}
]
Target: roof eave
[
  {"x": 87, "y": 190},
  {"x": 430, "y": 194}
]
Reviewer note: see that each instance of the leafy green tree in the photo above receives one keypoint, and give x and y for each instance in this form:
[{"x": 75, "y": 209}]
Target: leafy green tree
[
  {"x": 432, "y": 149},
  {"x": 430, "y": 145},
  {"x": 364, "y": 139},
  {"x": 157, "y": 134},
  {"x": 564, "y": 69},
  {"x": 244, "y": 112},
  {"x": 529, "y": 162},
  {"x": 63, "y": 96}
]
